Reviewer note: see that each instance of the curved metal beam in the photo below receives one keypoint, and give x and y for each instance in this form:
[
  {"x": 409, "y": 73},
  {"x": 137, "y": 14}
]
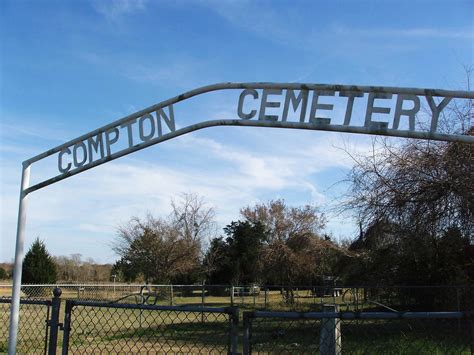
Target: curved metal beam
[
  {"x": 244, "y": 123},
  {"x": 230, "y": 86}
]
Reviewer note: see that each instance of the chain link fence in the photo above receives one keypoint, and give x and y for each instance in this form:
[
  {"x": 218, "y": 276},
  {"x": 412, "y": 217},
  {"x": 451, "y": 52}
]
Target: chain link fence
[
  {"x": 294, "y": 298},
  {"x": 33, "y": 326},
  {"x": 358, "y": 333},
  {"x": 92, "y": 292},
  {"x": 115, "y": 327},
  {"x": 92, "y": 327}
]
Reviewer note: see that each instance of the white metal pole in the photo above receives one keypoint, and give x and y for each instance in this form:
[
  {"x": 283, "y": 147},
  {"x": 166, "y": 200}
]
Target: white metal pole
[{"x": 20, "y": 241}]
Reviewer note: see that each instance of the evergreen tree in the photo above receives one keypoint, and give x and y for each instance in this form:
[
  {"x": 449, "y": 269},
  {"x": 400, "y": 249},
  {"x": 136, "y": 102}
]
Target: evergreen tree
[
  {"x": 3, "y": 274},
  {"x": 38, "y": 266},
  {"x": 235, "y": 260}
]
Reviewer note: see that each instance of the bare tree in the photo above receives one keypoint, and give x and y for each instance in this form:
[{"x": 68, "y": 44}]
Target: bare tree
[
  {"x": 163, "y": 250},
  {"x": 282, "y": 221},
  {"x": 418, "y": 184},
  {"x": 295, "y": 251},
  {"x": 192, "y": 219},
  {"x": 73, "y": 269},
  {"x": 415, "y": 204},
  {"x": 154, "y": 248}
]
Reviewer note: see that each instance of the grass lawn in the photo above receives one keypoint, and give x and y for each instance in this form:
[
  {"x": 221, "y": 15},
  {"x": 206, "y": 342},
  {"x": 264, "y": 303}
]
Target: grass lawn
[{"x": 363, "y": 337}]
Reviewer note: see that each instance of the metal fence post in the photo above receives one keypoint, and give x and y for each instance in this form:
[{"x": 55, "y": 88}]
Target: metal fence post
[
  {"x": 232, "y": 296},
  {"x": 356, "y": 298},
  {"x": 54, "y": 321},
  {"x": 20, "y": 241},
  {"x": 46, "y": 335},
  {"x": 458, "y": 304},
  {"x": 203, "y": 295},
  {"x": 171, "y": 295},
  {"x": 203, "y": 318},
  {"x": 247, "y": 349},
  {"x": 471, "y": 323},
  {"x": 67, "y": 326},
  {"x": 266, "y": 298},
  {"x": 330, "y": 337},
  {"x": 234, "y": 329}
]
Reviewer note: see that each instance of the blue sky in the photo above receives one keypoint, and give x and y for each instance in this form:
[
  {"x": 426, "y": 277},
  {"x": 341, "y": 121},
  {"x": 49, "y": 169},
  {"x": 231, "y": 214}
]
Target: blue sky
[{"x": 68, "y": 67}]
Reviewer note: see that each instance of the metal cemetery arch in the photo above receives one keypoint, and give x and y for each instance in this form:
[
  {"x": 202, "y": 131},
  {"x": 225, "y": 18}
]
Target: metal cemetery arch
[{"x": 100, "y": 141}]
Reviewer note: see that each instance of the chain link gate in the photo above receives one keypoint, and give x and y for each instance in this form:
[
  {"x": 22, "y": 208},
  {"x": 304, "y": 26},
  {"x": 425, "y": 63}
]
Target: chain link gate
[
  {"x": 136, "y": 328},
  {"x": 34, "y": 325},
  {"x": 116, "y": 327},
  {"x": 39, "y": 322}
]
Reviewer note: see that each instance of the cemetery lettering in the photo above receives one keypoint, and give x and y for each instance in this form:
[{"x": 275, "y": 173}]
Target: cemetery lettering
[
  {"x": 99, "y": 146},
  {"x": 406, "y": 106},
  {"x": 325, "y": 108}
]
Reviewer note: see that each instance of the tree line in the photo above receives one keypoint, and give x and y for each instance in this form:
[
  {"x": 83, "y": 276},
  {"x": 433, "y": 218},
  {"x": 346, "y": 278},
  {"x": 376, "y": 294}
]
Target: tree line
[
  {"x": 40, "y": 267},
  {"x": 272, "y": 243}
]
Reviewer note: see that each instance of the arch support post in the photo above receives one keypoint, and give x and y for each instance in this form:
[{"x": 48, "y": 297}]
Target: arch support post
[{"x": 19, "y": 252}]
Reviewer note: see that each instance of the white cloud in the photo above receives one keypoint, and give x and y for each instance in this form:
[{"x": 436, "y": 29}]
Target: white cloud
[
  {"x": 112, "y": 9},
  {"x": 287, "y": 28},
  {"x": 414, "y": 32},
  {"x": 182, "y": 71},
  {"x": 30, "y": 128},
  {"x": 262, "y": 20}
]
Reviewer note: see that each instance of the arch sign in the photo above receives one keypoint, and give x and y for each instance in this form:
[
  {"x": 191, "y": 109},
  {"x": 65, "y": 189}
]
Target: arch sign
[{"x": 388, "y": 111}]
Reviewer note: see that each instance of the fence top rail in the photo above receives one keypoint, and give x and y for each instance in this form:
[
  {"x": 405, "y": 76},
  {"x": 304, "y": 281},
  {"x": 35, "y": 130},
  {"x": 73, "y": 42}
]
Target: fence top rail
[
  {"x": 358, "y": 315},
  {"x": 27, "y": 301},
  {"x": 197, "y": 309},
  {"x": 111, "y": 285},
  {"x": 85, "y": 285},
  {"x": 132, "y": 285}
]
